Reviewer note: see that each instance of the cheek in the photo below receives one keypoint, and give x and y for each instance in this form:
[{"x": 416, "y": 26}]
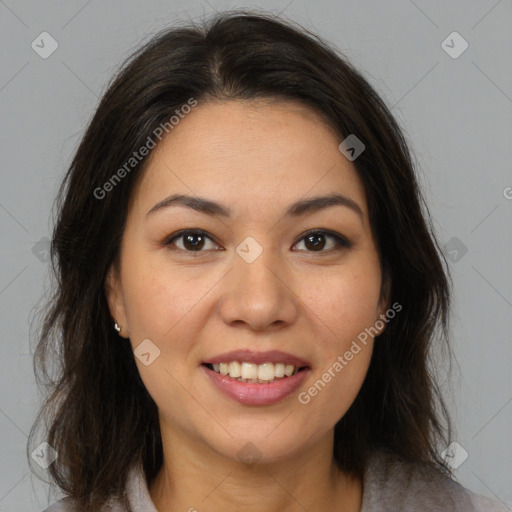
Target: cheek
[
  {"x": 346, "y": 352},
  {"x": 158, "y": 298},
  {"x": 344, "y": 305},
  {"x": 330, "y": 395},
  {"x": 160, "y": 307},
  {"x": 343, "y": 309}
]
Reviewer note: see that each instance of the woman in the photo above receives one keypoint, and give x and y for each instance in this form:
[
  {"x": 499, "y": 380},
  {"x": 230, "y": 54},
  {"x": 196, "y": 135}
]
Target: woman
[{"x": 248, "y": 289}]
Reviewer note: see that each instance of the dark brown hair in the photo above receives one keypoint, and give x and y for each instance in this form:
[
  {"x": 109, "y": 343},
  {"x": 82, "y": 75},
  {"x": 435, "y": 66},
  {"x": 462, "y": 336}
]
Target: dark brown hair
[{"x": 98, "y": 414}]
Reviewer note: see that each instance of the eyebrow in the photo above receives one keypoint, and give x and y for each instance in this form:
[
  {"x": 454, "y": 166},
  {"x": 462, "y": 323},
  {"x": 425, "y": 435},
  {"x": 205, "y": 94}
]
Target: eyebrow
[{"x": 209, "y": 207}]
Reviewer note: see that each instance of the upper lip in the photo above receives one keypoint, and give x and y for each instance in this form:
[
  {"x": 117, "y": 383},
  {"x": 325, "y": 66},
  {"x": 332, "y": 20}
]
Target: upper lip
[{"x": 249, "y": 356}]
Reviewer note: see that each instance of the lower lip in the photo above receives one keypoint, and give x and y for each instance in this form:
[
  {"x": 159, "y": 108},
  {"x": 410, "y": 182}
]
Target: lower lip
[{"x": 256, "y": 394}]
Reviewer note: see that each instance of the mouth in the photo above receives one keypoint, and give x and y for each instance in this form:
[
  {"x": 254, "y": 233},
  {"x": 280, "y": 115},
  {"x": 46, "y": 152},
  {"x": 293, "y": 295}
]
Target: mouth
[
  {"x": 256, "y": 378},
  {"x": 265, "y": 373}
]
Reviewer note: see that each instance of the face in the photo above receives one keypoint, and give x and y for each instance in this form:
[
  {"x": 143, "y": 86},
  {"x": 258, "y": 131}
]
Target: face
[{"x": 252, "y": 277}]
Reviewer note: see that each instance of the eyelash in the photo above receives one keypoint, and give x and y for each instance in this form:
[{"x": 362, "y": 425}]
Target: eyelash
[{"x": 339, "y": 239}]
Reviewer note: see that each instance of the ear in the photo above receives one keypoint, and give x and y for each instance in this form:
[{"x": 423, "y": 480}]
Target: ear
[{"x": 114, "y": 295}]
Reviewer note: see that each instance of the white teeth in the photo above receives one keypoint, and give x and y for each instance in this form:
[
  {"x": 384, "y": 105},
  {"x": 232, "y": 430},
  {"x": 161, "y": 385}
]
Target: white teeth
[
  {"x": 288, "y": 369},
  {"x": 235, "y": 369},
  {"x": 251, "y": 372},
  {"x": 266, "y": 371},
  {"x": 279, "y": 369}
]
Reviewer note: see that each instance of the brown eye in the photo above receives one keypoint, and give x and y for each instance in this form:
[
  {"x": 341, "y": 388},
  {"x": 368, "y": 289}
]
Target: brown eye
[
  {"x": 315, "y": 241},
  {"x": 191, "y": 241},
  {"x": 196, "y": 241}
]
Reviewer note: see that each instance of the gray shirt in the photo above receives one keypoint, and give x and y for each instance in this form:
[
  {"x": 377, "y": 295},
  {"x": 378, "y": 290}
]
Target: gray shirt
[{"x": 389, "y": 485}]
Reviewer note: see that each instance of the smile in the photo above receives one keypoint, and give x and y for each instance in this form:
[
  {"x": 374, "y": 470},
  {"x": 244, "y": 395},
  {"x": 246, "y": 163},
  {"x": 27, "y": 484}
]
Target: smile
[
  {"x": 255, "y": 373},
  {"x": 259, "y": 392}
]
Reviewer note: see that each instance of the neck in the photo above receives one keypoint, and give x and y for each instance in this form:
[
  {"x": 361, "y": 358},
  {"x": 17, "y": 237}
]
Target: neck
[{"x": 196, "y": 478}]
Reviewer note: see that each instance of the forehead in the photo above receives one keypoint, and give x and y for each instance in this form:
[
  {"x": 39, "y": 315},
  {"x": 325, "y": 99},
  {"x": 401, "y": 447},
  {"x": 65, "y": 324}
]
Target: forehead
[{"x": 250, "y": 155}]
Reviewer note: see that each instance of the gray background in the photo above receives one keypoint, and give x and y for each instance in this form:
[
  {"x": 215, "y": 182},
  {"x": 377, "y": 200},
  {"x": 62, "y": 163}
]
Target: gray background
[{"x": 455, "y": 112}]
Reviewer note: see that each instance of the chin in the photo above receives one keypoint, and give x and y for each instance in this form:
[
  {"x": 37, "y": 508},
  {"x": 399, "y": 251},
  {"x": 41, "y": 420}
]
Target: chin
[{"x": 259, "y": 443}]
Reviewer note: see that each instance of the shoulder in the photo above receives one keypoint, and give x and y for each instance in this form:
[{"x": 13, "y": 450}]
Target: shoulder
[
  {"x": 67, "y": 505},
  {"x": 64, "y": 505},
  {"x": 484, "y": 504},
  {"x": 393, "y": 484},
  {"x": 136, "y": 492}
]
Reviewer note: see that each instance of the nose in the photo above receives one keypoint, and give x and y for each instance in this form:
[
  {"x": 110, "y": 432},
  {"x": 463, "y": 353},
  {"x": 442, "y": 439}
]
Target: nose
[{"x": 259, "y": 295}]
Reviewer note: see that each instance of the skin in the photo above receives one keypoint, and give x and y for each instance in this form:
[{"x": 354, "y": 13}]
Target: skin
[{"x": 256, "y": 158}]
